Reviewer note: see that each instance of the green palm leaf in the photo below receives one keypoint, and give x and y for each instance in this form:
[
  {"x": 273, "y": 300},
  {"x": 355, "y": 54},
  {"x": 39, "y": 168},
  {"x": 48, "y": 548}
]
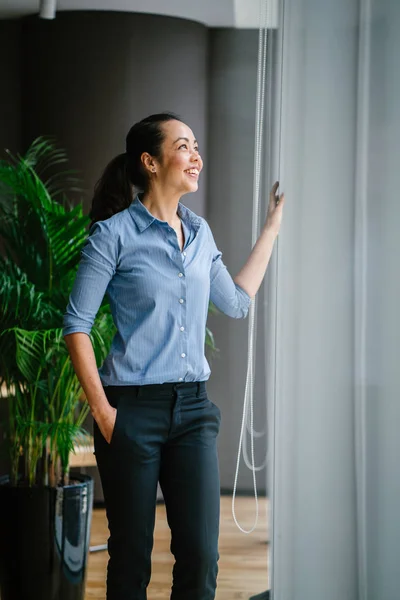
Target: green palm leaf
[
  {"x": 20, "y": 302},
  {"x": 66, "y": 234},
  {"x": 22, "y": 181},
  {"x": 44, "y": 155},
  {"x": 42, "y": 233},
  {"x": 32, "y": 348}
]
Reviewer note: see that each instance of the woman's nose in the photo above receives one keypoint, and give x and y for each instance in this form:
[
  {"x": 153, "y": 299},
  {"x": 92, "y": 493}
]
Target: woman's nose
[{"x": 196, "y": 157}]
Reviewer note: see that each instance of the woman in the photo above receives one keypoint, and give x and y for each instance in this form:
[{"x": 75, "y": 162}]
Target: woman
[{"x": 158, "y": 262}]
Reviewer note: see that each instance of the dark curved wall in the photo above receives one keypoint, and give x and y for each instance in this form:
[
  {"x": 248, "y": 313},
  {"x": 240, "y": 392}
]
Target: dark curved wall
[
  {"x": 10, "y": 86},
  {"x": 88, "y": 76}
]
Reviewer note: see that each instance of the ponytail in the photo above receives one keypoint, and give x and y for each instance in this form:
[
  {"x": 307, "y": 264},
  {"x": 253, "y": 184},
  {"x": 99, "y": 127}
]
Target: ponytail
[{"x": 113, "y": 191}]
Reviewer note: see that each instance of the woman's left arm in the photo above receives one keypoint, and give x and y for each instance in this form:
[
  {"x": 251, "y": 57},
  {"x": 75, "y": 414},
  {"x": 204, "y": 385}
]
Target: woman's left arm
[{"x": 251, "y": 275}]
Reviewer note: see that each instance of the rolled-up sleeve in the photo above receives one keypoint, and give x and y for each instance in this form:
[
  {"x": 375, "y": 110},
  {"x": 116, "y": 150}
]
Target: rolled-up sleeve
[
  {"x": 227, "y": 295},
  {"x": 96, "y": 268}
]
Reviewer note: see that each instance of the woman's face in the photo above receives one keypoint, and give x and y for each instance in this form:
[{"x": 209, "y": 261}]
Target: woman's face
[{"x": 181, "y": 163}]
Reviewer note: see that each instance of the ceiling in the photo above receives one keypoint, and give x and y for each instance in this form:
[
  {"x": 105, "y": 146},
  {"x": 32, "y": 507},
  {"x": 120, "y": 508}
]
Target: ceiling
[{"x": 213, "y": 13}]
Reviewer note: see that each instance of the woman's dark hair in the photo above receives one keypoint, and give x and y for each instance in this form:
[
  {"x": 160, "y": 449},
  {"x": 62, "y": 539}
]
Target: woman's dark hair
[{"x": 113, "y": 192}]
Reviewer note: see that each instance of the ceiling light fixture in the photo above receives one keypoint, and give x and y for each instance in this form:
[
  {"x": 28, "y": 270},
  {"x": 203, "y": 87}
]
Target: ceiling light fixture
[{"x": 47, "y": 9}]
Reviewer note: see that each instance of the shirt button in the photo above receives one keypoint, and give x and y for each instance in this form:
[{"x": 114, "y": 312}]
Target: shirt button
[
  {"x": 183, "y": 355},
  {"x": 180, "y": 274},
  {"x": 181, "y": 300},
  {"x": 184, "y": 253},
  {"x": 180, "y": 379},
  {"x": 182, "y": 328}
]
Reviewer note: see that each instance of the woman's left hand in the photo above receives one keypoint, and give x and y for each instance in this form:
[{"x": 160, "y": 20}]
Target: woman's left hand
[{"x": 275, "y": 208}]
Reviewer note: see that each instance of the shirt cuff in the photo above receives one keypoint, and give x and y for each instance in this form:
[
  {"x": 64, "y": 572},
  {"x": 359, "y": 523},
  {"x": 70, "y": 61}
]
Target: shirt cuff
[
  {"x": 244, "y": 294},
  {"x": 76, "y": 329}
]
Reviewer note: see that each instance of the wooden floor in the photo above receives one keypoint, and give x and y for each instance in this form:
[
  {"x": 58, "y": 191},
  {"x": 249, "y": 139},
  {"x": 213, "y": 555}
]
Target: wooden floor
[{"x": 242, "y": 564}]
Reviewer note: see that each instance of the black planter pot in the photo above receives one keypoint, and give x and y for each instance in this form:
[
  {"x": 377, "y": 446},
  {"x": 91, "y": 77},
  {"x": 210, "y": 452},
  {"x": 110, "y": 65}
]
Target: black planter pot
[{"x": 44, "y": 540}]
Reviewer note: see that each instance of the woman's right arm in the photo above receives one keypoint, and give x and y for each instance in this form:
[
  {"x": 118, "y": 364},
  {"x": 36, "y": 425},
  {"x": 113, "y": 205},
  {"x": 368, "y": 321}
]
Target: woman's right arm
[
  {"x": 82, "y": 356},
  {"x": 97, "y": 266}
]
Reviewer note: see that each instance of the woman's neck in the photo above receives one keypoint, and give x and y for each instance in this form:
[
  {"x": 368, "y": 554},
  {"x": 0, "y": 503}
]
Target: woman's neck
[{"x": 162, "y": 207}]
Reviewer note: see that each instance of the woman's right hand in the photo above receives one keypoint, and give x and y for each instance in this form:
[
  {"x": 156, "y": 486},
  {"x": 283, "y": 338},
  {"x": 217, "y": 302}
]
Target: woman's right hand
[{"x": 106, "y": 422}]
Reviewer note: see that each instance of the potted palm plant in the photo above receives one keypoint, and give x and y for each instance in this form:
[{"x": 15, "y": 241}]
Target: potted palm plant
[{"x": 45, "y": 510}]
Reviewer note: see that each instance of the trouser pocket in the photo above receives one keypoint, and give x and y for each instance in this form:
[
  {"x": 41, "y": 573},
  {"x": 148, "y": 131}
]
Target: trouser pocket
[
  {"x": 213, "y": 407},
  {"x": 116, "y": 401}
]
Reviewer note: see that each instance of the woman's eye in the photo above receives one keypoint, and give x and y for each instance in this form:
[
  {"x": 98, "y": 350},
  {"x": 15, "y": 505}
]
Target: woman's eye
[{"x": 186, "y": 146}]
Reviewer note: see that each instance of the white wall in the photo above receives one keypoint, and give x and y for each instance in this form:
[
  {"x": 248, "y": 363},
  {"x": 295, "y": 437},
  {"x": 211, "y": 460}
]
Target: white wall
[{"x": 336, "y": 479}]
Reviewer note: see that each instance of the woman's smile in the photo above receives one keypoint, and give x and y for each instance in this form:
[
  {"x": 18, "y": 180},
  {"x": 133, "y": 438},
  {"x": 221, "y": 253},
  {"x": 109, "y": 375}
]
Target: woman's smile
[{"x": 193, "y": 172}]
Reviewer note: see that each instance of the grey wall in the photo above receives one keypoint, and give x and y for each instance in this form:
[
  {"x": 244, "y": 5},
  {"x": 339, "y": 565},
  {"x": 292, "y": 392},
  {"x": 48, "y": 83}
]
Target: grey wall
[
  {"x": 88, "y": 76},
  {"x": 231, "y": 123},
  {"x": 10, "y": 86},
  {"x": 10, "y": 129}
]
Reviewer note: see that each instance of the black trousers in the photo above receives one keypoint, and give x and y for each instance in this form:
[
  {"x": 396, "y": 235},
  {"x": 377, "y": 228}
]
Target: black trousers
[{"x": 167, "y": 433}]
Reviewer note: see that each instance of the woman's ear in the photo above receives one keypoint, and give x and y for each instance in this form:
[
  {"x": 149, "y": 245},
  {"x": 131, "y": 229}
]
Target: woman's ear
[{"x": 148, "y": 162}]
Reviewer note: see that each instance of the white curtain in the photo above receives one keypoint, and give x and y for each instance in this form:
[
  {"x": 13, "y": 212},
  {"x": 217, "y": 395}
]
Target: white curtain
[{"x": 334, "y": 286}]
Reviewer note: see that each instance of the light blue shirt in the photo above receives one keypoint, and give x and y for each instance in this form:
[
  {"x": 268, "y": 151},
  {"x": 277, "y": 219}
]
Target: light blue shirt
[{"x": 158, "y": 295}]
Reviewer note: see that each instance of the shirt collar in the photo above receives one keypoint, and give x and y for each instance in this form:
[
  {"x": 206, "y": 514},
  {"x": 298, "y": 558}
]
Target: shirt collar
[{"x": 143, "y": 218}]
